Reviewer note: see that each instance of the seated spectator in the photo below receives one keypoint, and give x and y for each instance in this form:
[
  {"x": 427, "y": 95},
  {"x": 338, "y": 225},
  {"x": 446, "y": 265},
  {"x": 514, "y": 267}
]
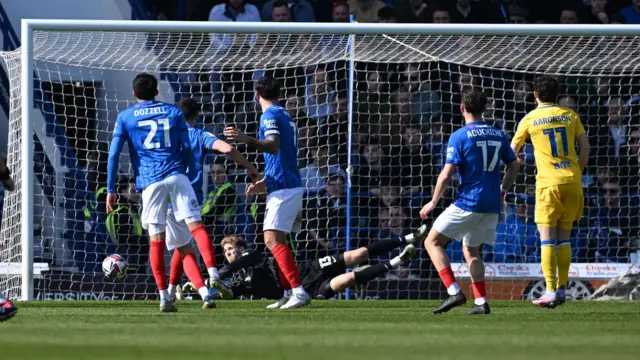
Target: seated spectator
[
  {"x": 125, "y": 227},
  {"x": 233, "y": 10},
  {"x": 413, "y": 11},
  {"x": 315, "y": 174},
  {"x": 441, "y": 15},
  {"x": 414, "y": 160},
  {"x": 340, "y": 12},
  {"x": 616, "y": 223},
  {"x": 386, "y": 16},
  {"x": 319, "y": 96},
  {"x": 568, "y": 101},
  {"x": 611, "y": 136},
  {"x": 597, "y": 12},
  {"x": 219, "y": 208},
  {"x": 424, "y": 101},
  {"x": 396, "y": 227},
  {"x": 307, "y": 140},
  {"x": 326, "y": 212},
  {"x": 293, "y": 106},
  {"x": 516, "y": 239},
  {"x": 373, "y": 103},
  {"x": 494, "y": 113},
  {"x": 280, "y": 11},
  {"x": 390, "y": 126},
  {"x": 335, "y": 132},
  {"x": 476, "y": 12},
  {"x": 631, "y": 13},
  {"x": 366, "y": 11},
  {"x": 518, "y": 15},
  {"x": 437, "y": 142},
  {"x": 373, "y": 168},
  {"x": 569, "y": 16},
  {"x": 603, "y": 175},
  {"x": 629, "y": 165},
  {"x": 299, "y": 11}
]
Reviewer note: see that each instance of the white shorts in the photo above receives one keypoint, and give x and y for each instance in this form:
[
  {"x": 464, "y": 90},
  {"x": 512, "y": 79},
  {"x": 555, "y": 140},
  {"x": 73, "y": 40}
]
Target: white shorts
[
  {"x": 283, "y": 209},
  {"x": 175, "y": 190},
  {"x": 178, "y": 234},
  {"x": 474, "y": 229}
]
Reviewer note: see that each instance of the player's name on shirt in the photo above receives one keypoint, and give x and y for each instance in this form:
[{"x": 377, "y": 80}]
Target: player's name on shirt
[
  {"x": 156, "y": 110},
  {"x": 552, "y": 120},
  {"x": 483, "y": 132}
]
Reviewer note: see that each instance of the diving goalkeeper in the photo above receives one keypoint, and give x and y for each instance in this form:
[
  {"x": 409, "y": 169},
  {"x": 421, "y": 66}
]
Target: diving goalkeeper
[{"x": 253, "y": 276}]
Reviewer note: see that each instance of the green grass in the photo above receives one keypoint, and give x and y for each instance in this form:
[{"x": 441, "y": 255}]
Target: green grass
[{"x": 394, "y": 330}]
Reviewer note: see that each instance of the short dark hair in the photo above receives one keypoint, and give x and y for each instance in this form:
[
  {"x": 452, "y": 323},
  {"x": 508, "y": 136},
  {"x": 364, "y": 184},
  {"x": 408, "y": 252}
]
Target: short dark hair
[
  {"x": 145, "y": 86},
  {"x": 546, "y": 87},
  {"x": 189, "y": 107},
  {"x": 474, "y": 101},
  {"x": 386, "y": 13},
  {"x": 336, "y": 176},
  {"x": 268, "y": 88},
  {"x": 280, "y": 3}
]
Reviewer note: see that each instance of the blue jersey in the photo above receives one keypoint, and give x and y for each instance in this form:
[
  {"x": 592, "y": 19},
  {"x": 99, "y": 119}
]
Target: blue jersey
[
  {"x": 158, "y": 142},
  {"x": 477, "y": 150},
  {"x": 201, "y": 142},
  {"x": 281, "y": 170}
]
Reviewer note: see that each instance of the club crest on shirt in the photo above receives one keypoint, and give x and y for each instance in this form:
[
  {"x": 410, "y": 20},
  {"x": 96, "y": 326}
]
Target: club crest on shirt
[{"x": 194, "y": 204}]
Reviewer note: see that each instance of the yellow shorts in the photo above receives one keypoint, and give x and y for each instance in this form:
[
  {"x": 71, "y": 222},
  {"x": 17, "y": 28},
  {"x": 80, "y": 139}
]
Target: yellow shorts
[{"x": 559, "y": 205}]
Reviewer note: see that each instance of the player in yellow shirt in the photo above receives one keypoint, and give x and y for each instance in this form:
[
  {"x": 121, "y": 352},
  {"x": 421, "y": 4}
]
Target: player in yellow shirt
[{"x": 554, "y": 131}]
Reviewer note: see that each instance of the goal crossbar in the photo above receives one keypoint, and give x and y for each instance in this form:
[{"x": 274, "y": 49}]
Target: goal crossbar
[{"x": 27, "y": 74}]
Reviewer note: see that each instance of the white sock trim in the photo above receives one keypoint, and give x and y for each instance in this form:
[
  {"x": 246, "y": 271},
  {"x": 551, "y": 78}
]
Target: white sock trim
[
  {"x": 172, "y": 290},
  {"x": 395, "y": 262},
  {"x": 203, "y": 291},
  {"x": 480, "y": 301},
  {"x": 213, "y": 273},
  {"x": 164, "y": 295},
  {"x": 453, "y": 289},
  {"x": 298, "y": 290}
]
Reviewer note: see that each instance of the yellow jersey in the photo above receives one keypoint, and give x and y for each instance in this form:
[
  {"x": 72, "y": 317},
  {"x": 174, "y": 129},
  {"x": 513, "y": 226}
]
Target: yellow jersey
[{"x": 553, "y": 131}]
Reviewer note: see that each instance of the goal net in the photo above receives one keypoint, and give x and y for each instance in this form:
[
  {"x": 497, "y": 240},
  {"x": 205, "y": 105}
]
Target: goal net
[{"x": 405, "y": 104}]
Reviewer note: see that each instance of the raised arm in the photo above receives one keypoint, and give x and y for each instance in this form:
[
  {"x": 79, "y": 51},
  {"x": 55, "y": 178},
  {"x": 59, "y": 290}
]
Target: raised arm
[
  {"x": 237, "y": 157},
  {"x": 270, "y": 145}
]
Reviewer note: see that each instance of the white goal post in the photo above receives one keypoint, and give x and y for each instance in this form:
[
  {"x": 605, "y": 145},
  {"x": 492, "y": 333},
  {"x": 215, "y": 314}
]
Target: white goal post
[{"x": 579, "y": 51}]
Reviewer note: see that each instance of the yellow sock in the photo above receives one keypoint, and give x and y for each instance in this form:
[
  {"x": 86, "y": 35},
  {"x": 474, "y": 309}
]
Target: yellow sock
[
  {"x": 549, "y": 263},
  {"x": 564, "y": 262}
]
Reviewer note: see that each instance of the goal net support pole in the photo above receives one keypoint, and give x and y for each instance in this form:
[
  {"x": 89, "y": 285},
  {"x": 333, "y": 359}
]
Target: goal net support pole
[{"x": 409, "y": 38}]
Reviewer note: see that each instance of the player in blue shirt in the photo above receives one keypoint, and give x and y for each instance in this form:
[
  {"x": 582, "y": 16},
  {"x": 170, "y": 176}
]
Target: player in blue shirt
[
  {"x": 475, "y": 152},
  {"x": 201, "y": 142},
  {"x": 278, "y": 139},
  {"x": 160, "y": 152}
]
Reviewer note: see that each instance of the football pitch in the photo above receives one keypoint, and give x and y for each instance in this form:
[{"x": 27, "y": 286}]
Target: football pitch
[{"x": 333, "y": 330}]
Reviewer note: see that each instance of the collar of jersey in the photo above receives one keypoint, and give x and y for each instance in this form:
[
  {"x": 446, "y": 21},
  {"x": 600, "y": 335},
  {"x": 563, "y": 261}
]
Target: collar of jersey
[
  {"x": 146, "y": 102},
  {"x": 546, "y": 105}
]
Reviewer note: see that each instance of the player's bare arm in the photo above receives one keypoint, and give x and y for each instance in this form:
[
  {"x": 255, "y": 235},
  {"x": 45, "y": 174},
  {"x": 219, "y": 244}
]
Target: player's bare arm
[
  {"x": 269, "y": 145},
  {"x": 510, "y": 176},
  {"x": 237, "y": 157},
  {"x": 441, "y": 185},
  {"x": 5, "y": 175},
  {"x": 585, "y": 149}
]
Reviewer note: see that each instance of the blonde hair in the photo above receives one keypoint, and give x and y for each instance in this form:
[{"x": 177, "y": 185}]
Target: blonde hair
[{"x": 234, "y": 240}]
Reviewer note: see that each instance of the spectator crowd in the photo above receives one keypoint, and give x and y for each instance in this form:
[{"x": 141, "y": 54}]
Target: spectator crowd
[{"x": 403, "y": 114}]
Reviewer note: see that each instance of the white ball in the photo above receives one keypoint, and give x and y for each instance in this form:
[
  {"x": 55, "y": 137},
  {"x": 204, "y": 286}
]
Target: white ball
[{"x": 114, "y": 267}]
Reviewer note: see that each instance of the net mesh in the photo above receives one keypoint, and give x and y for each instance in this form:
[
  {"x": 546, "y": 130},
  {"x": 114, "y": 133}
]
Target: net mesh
[{"x": 406, "y": 104}]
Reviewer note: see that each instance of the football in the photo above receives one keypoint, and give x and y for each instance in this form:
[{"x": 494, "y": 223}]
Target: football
[{"x": 114, "y": 267}]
